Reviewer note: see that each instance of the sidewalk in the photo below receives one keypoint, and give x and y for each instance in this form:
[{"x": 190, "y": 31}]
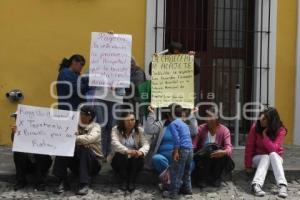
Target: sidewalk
[
  {"x": 237, "y": 187},
  {"x": 291, "y": 166}
]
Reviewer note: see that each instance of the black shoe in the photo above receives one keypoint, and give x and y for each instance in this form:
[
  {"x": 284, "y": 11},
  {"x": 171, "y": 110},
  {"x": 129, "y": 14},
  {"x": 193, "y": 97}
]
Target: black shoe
[
  {"x": 123, "y": 186},
  {"x": 62, "y": 187},
  {"x": 168, "y": 195},
  {"x": 201, "y": 184},
  {"x": 40, "y": 187},
  {"x": 83, "y": 189},
  {"x": 216, "y": 183},
  {"x": 185, "y": 191},
  {"x": 131, "y": 186},
  {"x": 20, "y": 185}
]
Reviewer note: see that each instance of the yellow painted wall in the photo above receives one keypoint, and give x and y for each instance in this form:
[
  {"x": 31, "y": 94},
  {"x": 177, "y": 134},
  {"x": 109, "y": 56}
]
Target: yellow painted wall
[
  {"x": 286, "y": 63},
  {"x": 36, "y": 34}
]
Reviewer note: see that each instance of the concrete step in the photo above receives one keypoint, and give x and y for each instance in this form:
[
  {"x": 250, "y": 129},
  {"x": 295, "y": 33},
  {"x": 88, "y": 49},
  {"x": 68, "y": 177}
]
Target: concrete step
[
  {"x": 146, "y": 177},
  {"x": 106, "y": 176}
]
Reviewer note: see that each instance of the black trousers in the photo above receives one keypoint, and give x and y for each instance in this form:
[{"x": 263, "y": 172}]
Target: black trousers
[
  {"x": 36, "y": 164},
  {"x": 209, "y": 169},
  {"x": 127, "y": 168},
  {"x": 84, "y": 163}
]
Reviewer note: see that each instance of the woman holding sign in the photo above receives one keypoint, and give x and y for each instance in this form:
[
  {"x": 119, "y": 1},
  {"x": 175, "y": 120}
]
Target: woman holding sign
[
  {"x": 70, "y": 93},
  {"x": 129, "y": 147},
  {"x": 86, "y": 161},
  {"x": 27, "y": 163}
]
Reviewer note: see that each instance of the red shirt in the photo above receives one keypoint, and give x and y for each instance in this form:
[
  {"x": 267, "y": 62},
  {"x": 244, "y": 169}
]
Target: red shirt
[
  {"x": 257, "y": 144},
  {"x": 222, "y": 137}
]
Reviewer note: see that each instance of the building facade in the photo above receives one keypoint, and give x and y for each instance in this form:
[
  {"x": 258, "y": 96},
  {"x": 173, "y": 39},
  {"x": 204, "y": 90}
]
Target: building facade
[{"x": 250, "y": 43}]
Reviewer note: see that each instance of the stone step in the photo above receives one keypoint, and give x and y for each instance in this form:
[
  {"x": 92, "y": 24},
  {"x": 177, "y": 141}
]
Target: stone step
[
  {"x": 146, "y": 177},
  {"x": 106, "y": 176}
]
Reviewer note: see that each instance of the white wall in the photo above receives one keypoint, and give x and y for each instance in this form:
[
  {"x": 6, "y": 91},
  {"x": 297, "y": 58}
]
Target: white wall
[
  {"x": 297, "y": 88},
  {"x": 258, "y": 47},
  {"x": 150, "y": 31}
]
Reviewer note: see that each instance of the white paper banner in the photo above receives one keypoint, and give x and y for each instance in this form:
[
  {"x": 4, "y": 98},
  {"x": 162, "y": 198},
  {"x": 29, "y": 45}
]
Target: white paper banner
[
  {"x": 45, "y": 131},
  {"x": 110, "y": 60}
]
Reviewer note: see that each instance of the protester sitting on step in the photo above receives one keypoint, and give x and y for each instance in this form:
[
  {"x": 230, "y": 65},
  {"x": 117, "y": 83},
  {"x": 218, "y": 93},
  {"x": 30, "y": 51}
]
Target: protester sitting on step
[
  {"x": 26, "y": 163},
  {"x": 162, "y": 146},
  {"x": 86, "y": 162},
  {"x": 129, "y": 148},
  {"x": 213, "y": 149},
  {"x": 264, "y": 151}
]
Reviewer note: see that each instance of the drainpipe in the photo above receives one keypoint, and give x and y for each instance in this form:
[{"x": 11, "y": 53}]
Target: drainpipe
[{"x": 237, "y": 120}]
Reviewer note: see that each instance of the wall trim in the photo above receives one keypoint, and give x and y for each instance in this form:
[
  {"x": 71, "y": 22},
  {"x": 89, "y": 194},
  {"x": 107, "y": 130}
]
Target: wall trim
[
  {"x": 272, "y": 51},
  {"x": 296, "y": 138}
]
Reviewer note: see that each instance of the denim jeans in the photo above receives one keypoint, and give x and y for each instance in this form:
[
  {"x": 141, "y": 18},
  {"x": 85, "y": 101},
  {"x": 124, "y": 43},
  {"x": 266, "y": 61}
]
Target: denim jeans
[
  {"x": 181, "y": 172},
  {"x": 84, "y": 163},
  {"x": 161, "y": 162},
  {"x": 104, "y": 113},
  {"x": 107, "y": 121}
]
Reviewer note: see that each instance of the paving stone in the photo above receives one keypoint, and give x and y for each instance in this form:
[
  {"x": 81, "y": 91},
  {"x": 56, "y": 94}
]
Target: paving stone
[{"x": 236, "y": 188}]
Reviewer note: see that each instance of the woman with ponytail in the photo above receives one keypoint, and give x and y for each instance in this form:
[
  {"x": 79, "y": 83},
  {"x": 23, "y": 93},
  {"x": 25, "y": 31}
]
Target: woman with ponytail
[{"x": 70, "y": 92}]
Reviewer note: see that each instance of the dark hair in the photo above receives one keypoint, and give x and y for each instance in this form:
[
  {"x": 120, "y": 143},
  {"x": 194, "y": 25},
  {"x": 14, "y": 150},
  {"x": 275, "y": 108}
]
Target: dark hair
[
  {"x": 175, "y": 109},
  {"x": 187, "y": 111},
  {"x": 65, "y": 63},
  {"x": 133, "y": 62},
  {"x": 213, "y": 111},
  {"x": 274, "y": 123},
  {"x": 150, "y": 68},
  {"x": 89, "y": 111},
  {"x": 175, "y": 46},
  {"x": 165, "y": 113},
  {"x": 121, "y": 125}
]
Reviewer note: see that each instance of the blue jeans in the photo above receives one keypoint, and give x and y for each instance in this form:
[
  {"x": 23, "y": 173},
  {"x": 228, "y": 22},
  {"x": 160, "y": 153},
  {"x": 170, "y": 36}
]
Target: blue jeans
[
  {"x": 161, "y": 162},
  {"x": 181, "y": 172},
  {"x": 107, "y": 121}
]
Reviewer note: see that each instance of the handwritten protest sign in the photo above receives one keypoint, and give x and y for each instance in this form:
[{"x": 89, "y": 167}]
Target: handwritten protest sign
[
  {"x": 172, "y": 80},
  {"x": 110, "y": 60},
  {"x": 45, "y": 131}
]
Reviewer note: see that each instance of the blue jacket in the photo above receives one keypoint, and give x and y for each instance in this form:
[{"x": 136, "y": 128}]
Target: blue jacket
[
  {"x": 64, "y": 90},
  {"x": 181, "y": 135}
]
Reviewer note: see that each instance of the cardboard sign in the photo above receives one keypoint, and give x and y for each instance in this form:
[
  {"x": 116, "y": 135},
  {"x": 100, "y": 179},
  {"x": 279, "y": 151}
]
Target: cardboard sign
[
  {"x": 172, "y": 80},
  {"x": 110, "y": 60},
  {"x": 45, "y": 131}
]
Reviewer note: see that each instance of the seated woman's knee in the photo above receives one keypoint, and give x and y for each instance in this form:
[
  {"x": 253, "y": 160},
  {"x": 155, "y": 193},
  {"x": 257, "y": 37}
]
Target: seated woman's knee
[{"x": 273, "y": 154}]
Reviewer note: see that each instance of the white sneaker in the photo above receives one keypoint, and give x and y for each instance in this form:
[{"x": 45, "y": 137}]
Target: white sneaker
[
  {"x": 257, "y": 190},
  {"x": 282, "y": 192}
]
